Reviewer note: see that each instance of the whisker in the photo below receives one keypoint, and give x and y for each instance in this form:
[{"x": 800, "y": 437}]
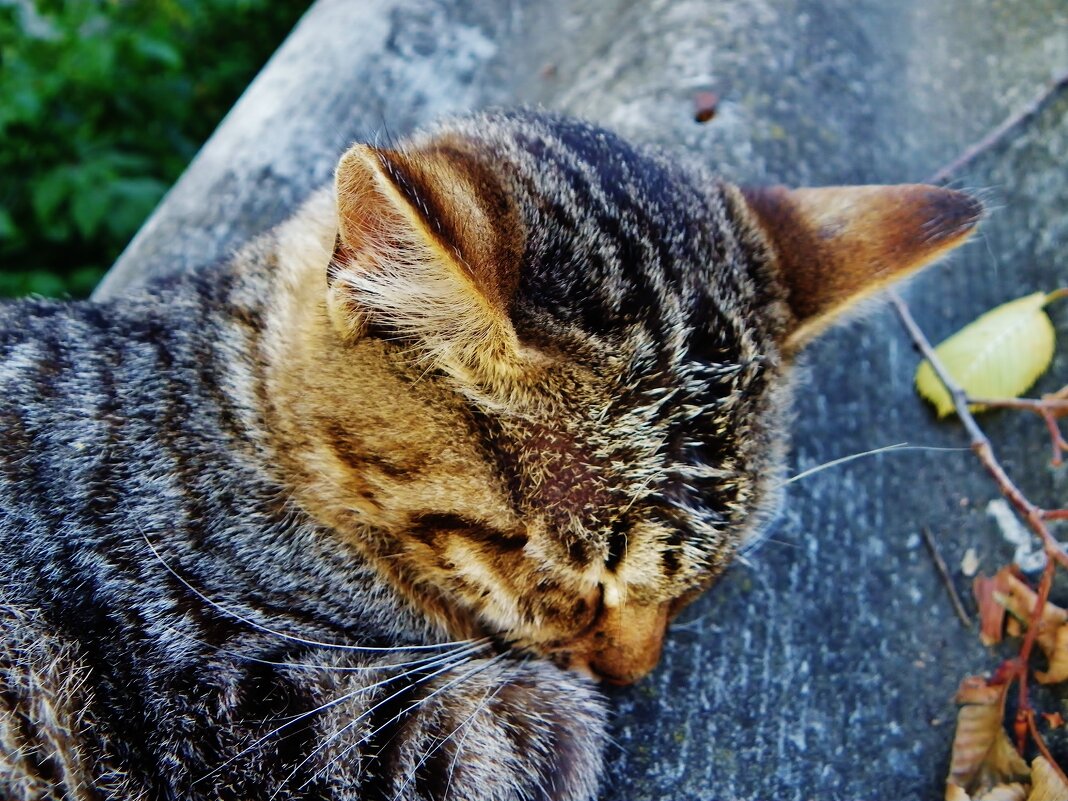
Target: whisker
[
  {"x": 340, "y": 755},
  {"x": 450, "y": 660},
  {"x": 900, "y": 446},
  {"x": 697, "y": 624},
  {"x": 310, "y": 666},
  {"x": 290, "y": 637},
  {"x": 460, "y": 745},
  {"x": 486, "y": 698}
]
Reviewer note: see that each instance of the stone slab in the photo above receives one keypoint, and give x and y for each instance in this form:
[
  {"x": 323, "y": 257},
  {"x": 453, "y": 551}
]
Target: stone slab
[{"x": 825, "y": 666}]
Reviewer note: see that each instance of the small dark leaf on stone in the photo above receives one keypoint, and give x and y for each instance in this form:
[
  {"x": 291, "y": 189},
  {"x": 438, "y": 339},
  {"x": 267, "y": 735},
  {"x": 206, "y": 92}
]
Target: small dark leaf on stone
[{"x": 705, "y": 106}]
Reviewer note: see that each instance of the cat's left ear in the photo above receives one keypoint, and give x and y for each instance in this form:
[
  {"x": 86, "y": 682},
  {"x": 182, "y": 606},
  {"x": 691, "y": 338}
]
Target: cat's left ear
[
  {"x": 837, "y": 245},
  {"x": 428, "y": 248}
]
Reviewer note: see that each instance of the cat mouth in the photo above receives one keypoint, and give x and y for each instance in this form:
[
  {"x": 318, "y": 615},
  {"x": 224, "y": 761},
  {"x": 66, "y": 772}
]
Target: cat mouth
[{"x": 622, "y": 646}]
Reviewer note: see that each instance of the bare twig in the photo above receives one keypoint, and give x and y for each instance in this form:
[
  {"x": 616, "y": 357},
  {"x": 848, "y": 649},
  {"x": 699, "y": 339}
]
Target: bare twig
[
  {"x": 1056, "y": 406},
  {"x": 1035, "y": 517},
  {"x": 1048, "y": 407},
  {"x": 980, "y": 444},
  {"x": 1057, "y": 442},
  {"x": 943, "y": 571},
  {"x": 1002, "y": 131}
]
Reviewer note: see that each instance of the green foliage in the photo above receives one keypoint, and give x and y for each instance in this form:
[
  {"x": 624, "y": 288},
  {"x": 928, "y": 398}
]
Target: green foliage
[{"x": 102, "y": 104}]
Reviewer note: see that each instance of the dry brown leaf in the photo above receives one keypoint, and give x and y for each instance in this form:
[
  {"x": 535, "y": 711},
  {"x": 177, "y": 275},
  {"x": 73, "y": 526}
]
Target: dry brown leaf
[
  {"x": 1053, "y": 719},
  {"x": 982, "y": 757},
  {"x": 1058, "y": 660},
  {"x": 1047, "y": 783},
  {"x": 991, "y": 612},
  {"x": 1020, "y": 600},
  {"x": 1010, "y": 592},
  {"x": 1003, "y": 792},
  {"x": 1007, "y": 792}
]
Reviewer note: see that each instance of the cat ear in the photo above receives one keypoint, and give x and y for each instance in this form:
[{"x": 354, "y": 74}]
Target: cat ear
[
  {"x": 838, "y": 245},
  {"x": 428, "y": 247}
]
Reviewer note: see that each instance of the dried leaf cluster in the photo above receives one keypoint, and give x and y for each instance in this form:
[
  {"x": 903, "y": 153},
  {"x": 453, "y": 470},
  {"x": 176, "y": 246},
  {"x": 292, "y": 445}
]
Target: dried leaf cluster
[
  {"x": 988, "y": 364},
  {"x": 985, "y": 763}
]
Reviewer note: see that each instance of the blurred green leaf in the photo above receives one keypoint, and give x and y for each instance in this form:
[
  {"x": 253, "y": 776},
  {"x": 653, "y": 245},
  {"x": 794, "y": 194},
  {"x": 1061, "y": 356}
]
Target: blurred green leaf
[
  {"x": 88, "y": 210},
  {"x": 102, "y": 104},
  {"x": 132, "y": 200},
  {"x": 7, "y": 225},
  {"x": 44, "y": 284},
  {"x": 157, "y": 50},
  {"x": 49, "y": 193}
]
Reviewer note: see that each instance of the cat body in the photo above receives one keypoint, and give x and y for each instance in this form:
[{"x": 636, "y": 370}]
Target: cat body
[
  {"x": 363, "y": 512},
  {"x": 150, "y": 686}
]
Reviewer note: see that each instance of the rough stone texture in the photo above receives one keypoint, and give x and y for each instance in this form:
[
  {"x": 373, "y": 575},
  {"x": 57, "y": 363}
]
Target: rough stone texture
[{"x": 826, "y": 666}]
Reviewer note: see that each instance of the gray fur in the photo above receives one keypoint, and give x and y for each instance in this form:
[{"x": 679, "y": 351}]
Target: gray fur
[{"x": 176, "y": 624}]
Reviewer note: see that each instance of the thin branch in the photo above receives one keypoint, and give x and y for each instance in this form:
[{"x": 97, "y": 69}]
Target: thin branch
[
  {"x": 943, "y": 571},
  {"x": 1035, "y": 517},
  {"x": 1048, "y": 407},
  {"x": 1048, "y": 403},
  {"x": 1056, "y": 439},
  {"x": 1043, "y": 749},
  {"x": 1002, "y": 131},
  {"x": 980, "y": 444},
  {"x": 956, "y": 393}
]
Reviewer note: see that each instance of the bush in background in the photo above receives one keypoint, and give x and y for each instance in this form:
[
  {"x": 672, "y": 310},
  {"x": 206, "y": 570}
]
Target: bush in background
[{"x": 102, "y": 104}]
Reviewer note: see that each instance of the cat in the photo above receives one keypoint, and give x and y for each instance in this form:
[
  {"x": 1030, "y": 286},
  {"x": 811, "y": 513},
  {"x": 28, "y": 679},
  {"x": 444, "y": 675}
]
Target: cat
[{"x": 367, "y": 511}]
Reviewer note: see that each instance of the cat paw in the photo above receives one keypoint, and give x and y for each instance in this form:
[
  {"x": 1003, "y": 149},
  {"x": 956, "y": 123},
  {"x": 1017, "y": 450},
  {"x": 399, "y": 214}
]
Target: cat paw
[{"x": 510, "y": 731}]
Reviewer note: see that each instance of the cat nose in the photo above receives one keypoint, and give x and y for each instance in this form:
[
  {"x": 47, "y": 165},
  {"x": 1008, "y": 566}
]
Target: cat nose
[{"x": 625, "y": 645}]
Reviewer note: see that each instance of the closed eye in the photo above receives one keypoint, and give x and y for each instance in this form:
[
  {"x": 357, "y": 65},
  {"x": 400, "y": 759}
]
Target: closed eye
[
  {"x": 617, "y": 544},
  {"x": 428, "y": 524}
]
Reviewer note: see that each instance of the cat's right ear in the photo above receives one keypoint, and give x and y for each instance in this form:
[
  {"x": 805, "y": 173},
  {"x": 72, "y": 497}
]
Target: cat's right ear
[
  {"x": 835, "y": 246},
  {"x": 428, "y": 248}
]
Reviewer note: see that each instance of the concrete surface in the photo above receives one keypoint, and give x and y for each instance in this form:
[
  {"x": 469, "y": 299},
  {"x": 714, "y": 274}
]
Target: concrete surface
[{"x": 825, "y": 667}]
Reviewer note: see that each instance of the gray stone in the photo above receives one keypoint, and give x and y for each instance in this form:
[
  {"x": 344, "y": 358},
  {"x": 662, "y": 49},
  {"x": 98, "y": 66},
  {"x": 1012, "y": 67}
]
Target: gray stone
[{"x": 826, "y": 665}]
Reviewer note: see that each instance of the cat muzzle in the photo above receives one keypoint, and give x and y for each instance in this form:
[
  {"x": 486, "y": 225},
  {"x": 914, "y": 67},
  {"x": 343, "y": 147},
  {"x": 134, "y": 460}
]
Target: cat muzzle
[{"x": 624, "y": 646}]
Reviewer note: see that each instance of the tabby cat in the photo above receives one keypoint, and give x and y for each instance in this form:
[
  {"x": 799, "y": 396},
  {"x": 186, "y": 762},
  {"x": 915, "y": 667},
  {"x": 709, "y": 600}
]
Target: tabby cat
[{"x": 366, "y": 512}]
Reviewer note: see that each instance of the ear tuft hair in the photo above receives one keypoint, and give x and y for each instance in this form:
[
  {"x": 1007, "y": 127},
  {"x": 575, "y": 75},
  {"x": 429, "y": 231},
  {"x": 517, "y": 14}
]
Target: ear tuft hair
[
  {"x": 837, "y": 245},
  {"x": 429, "y": 248}
]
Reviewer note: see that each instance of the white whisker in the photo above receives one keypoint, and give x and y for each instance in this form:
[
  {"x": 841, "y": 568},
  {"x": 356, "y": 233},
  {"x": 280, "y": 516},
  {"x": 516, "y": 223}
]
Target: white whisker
[
  {"x": 325, "y": 668},
  {"x": 900, "y": 446},
  {"x": 486, "y": 698},
  {"x": 459, "y": 746},
  {"x": 290, "y": 637},
  {"x": 450, "y": 660},
  {"x": 398, "y": 716}
]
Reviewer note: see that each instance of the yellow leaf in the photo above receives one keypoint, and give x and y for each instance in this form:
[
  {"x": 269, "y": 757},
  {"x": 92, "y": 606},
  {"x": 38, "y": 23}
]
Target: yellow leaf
[{"x": 999, "y": 355}]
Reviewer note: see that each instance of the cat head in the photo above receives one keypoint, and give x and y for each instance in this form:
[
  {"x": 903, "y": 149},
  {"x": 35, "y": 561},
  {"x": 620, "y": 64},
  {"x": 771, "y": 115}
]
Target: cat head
[{"x": 619, "y": 327}]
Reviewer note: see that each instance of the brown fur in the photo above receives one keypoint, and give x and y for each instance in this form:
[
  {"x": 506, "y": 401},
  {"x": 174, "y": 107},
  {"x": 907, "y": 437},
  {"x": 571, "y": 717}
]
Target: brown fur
[
  {"x": 838, "y": 245},
  {"x": 516, "y": 383},
  {"x": 372, "y": 448}
]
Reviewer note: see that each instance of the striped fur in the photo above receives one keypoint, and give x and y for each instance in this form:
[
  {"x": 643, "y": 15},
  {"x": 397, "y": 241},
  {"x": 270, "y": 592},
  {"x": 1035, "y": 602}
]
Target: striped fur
[{"x": 332, "y": 520}]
